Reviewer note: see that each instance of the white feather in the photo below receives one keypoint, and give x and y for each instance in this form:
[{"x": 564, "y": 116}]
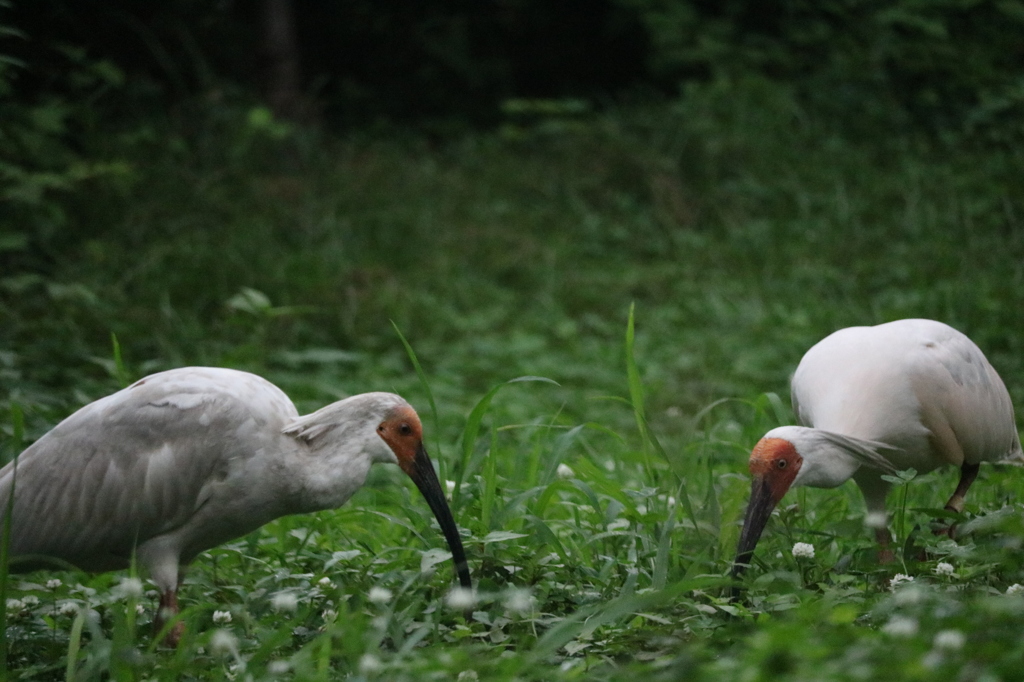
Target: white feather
[
  {"x": 182, "y": 461},
  {"x": 906, "y": 394}
]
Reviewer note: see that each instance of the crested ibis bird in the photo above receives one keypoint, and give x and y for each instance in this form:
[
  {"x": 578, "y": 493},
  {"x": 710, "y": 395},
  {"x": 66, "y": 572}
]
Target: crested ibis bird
[
  {"x": 184, "y": 460},
  {"x": 875, "y": 400}
]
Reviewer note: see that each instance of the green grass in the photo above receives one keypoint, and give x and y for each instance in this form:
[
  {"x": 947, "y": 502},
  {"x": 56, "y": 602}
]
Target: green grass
[{"x": 663, "y": 268}]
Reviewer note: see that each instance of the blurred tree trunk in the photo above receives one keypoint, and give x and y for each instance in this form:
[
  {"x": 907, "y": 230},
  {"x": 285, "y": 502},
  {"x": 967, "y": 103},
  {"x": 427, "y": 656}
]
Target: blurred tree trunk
[{"x": 283, "y": 87}]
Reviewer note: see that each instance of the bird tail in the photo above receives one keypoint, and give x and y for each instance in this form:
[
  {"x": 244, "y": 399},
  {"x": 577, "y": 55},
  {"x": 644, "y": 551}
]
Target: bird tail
[{"x": 1014, "y": 456}]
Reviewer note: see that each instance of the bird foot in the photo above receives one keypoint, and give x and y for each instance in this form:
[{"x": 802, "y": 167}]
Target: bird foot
[
  {"x": 173, "y": 635},
  {"x": 166, "y": 612}
]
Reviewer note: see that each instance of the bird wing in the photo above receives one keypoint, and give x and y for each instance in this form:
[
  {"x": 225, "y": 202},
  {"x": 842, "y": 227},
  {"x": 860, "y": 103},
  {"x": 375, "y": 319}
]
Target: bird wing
[
  {"x": 854, "y": 382},
  {"x": 964, "y": 403},
  {"x": 918, "y": 385},
  {"x": 137, "y": 464}
]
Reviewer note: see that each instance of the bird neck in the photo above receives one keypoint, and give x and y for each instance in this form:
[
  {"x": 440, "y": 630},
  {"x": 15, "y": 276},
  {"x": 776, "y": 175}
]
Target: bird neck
[
  {"x": 830, "y": 458},
  {"x": 331, "y": 470},
  {"x": 826, "y": 466},
  {"x": 336, "y": 446},
  {"x": 827, "y": 459}
]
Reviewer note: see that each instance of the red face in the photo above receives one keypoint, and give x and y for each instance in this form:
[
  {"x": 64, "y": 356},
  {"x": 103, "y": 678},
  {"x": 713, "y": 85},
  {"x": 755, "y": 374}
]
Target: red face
[
  {"x": 402, "y": 431},
  {"x": 776, "y": 462}
]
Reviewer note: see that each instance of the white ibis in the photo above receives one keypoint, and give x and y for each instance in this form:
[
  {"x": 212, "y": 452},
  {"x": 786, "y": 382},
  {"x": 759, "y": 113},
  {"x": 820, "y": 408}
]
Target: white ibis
[
  {"x": 874, "y": 400},
  {"x": 187, "y": 459}
]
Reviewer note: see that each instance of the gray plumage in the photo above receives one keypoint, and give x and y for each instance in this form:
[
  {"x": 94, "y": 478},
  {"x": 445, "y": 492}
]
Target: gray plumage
[{"x": 180, "y": 462}]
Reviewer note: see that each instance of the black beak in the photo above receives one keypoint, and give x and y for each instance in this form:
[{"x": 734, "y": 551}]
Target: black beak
[
  {"x": 426, "y": 480},
  {"x": 759, "y": 509}
]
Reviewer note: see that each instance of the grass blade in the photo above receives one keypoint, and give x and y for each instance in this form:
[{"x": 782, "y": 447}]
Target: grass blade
[
  {"x": 636, "y": 397},
  {"x": 585, "y": 621},
  {"x": 74, "y": 645},
  {"x": 661, "y": 559},
  {"x": 490, "y": 483},
  {"x": 476, "y": 416},
  {"x": 120, "y": 370},
  {"x": 430, "y": 397}
]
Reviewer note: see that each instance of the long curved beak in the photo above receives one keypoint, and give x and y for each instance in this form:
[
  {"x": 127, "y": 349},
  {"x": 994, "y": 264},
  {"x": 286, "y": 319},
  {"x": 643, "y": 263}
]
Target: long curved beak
[
  {"x": 423, "y": 475},
  {"x": 759, "y": 509}
]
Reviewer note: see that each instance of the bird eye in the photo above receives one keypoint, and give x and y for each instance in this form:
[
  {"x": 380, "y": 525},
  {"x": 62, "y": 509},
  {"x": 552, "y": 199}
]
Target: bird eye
[
  {"x": 381, "y": 428},
  {"x": 405, "y": 429},
  {"x": 781, "y": 464}
]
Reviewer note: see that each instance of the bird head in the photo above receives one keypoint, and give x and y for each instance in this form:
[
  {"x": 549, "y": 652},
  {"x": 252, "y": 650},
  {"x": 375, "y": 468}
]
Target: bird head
[
  {"x": 774, "y": 466},
  {"x": 402, "y": 431},
  {"x": 790, "y": 456}
]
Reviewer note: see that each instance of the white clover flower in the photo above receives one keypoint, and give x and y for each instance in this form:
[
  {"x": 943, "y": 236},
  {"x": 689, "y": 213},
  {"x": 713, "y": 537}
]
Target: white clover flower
[
  {"x": 803, "y": 550},
  {"x": 325, "y": 583},
  {"x": 565, "y": 471},
  {"x": 899, "y": 580},
  {"x": 944, "y": 568},
  {"x": 329, "y": 615},
  {"x": 900, "y": 626},
  {"x": 221, "y": 617},
  {"x": 278, "y": 667},
  {"x": 130, "y": 588},
  {"x": 15, "y": 605},
  {"x": 379, "y": 595},
  {"x": 68, "y": 608},
  {"x": 950, "y": 640},
  {"x": 53, "y": 583},
  {"x": 140, "y": 609},
  {"x": 370, "y": 664},
  {"x": 284, "y": 601},
  {"x": 30, "y": 600},
  {"x": 519, "y": 601},
  {"x": 1015, "y": 588},
  {"x": 461, "y": 598},
  {"x": 223, "y": 642},
  {"x": 875, "y": 520},
  {"x": 449, "y": 486}
]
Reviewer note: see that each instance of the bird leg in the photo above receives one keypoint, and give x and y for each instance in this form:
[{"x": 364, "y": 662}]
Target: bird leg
[
  {"x": 885, "y": 555},
  {"x": 165, "y": 612},
  {"x": 968, "y": 472}
]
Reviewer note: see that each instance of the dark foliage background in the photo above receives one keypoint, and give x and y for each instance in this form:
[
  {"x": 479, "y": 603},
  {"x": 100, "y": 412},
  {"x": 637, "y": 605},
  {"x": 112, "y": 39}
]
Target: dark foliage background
[
  {"x": 948, "y": 65},
  {"x": 131, "y": 127}
]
